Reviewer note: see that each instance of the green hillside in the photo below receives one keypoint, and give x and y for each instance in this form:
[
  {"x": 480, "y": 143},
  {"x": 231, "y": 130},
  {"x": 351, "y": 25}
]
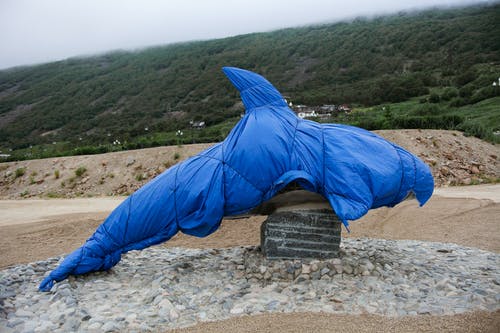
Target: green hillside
[{"x": 443, "y": 62}]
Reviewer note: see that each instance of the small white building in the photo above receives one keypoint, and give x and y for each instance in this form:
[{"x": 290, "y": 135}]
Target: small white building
[
  {"x": 197, "y": 124},
  {"x": 328, "y": 108},
  {"x": 307, "y": 114}
]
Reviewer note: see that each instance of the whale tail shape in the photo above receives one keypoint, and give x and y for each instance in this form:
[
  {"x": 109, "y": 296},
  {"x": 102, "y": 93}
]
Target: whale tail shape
[{"x": 254, "y": 89}]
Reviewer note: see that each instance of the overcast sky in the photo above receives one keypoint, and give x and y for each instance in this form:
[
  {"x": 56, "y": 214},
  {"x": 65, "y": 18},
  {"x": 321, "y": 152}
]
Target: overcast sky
[{"x": 35, "y": 31}]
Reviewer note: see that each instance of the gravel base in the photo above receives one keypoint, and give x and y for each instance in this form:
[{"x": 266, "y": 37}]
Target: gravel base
[{"x": 176, "y": 287}]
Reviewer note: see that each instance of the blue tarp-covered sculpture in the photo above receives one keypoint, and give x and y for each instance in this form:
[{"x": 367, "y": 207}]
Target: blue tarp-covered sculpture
[{"x": 355, "y": 170}]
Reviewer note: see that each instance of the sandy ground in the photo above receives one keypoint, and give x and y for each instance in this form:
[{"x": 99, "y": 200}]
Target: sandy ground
[
  {"x": 33, "y": 230},
  {"x": 28, "y": 211},
  {"x": 327, "y": 323},
  {"x": 491, "y": 192}
]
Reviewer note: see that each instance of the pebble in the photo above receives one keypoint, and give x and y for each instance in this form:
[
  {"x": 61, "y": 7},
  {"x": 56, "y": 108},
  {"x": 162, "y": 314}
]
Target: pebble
[
  {"x": 109, "y": 327},
  {"x": 94, "y": 326},
  {"x": 163, "y": 288}
]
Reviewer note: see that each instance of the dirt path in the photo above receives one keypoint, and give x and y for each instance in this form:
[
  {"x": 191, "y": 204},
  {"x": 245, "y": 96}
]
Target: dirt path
[
  {"x": 28, "y": 211},
  {"x": 490, "y": 192}
]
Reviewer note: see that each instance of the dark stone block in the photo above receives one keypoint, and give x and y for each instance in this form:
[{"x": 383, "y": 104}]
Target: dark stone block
[{"x": 301, "y": 234}]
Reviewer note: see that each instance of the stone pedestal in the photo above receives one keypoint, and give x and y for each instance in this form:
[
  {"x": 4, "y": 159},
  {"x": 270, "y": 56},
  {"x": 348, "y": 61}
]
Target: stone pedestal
[{"x": 300, "y": 234}]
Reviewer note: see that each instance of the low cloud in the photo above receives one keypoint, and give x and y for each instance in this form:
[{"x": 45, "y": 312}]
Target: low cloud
[{"x": 34, "y": 31}]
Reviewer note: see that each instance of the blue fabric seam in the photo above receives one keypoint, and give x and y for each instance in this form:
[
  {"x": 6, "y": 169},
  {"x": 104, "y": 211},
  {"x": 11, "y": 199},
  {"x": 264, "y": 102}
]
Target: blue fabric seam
[
  {"x": 292, "y": 148},
  {"x": 109, "y": 235},
  {"x": 414, "y": 172},
  {"x": 323, "y": 151},
  {"x": 223, "y": 177},
  {"x": 271, "y": 103},
  {"x": 128, "y": 215},
  {"x": 236, "y": 171},
  {"x": 402, "y": 175},
  {"x": 349, "y": 199},
  {"x": 175, "y": 198},
  {"x": 256, "y": 86}
]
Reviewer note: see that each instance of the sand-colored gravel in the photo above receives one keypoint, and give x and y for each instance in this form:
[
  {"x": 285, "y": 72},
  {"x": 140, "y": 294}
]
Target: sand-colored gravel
[{"x": 484, "y": 322}]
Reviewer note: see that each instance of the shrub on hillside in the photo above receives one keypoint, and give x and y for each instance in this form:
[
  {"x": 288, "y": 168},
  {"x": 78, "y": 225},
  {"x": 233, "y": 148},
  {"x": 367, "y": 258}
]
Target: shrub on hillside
[
  {"x": 20, "y": 172},
  {"x": 449, "y": 93},
  {"x": 434, "y": 98},
  {"x": 80, "y": 171}
]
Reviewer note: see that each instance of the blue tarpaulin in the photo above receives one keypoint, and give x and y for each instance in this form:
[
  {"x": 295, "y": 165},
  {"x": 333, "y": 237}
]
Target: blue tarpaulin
[{"x": 355, "y": 170}]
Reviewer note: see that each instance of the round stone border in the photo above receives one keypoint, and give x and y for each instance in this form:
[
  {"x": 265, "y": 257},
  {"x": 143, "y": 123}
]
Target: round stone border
[
  {"x": 260, "y": 269},
  {"x": 161, "y": 288}
]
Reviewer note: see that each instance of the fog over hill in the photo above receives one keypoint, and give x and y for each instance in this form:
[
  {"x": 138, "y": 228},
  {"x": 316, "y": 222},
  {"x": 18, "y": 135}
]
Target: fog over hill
[{"x": 52, "y": 30}]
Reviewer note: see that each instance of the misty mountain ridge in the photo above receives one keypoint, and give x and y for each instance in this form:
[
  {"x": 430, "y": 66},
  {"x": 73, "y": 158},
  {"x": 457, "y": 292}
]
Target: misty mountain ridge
[{"x": 443, "y": 60}]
